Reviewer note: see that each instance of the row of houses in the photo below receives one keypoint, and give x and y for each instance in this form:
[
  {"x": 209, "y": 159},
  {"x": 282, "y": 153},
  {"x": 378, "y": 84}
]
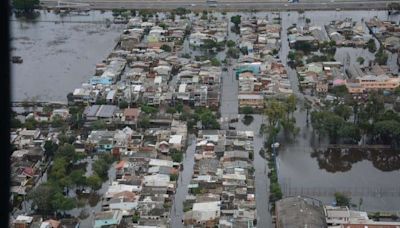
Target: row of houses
[
  {"x": 319, "y": 76},
  {"x": 144, "y": 73},
  {"x": 150, "y": 159},
  {"x": 146, "y": 174},
  {"x": 258, "y": 72},
  {"x": 387, "y": 32},
  {"x": 299, "y": 35},
  {"x": 27, "y": 162},
  {"x": 28, "y": 159},
  {"x": 348, "y": 33},
  {"x": 204, "y": 30},
  {"x": 222, "y": 190}
]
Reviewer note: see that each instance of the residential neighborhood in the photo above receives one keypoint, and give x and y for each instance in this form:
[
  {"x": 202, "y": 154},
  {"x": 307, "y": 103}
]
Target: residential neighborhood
[{"x": 214, "y": 118}]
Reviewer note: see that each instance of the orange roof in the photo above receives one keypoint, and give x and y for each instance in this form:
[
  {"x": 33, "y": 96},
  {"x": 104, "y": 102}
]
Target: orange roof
[{"x": 131, "y": 112}]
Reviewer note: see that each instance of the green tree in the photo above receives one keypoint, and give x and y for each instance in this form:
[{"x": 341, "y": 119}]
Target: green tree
[
  {"x": 171, "y": 110},
  {"x": 148, "y": 109},
  {"x": 291, "y": 55},
  {"x": 50, "y": 148},
  {"x": 78, "y": 177},
  {"x": 389, "y": 115},
  {"x": 47, "y": 109},
  {"x": 289, "y": 125},
  {"x": 31, "y": 124},
  {"x": 100, "y": 167},
  {"x": 76, "y": 119},
  {"x": 360, "y": 60},
  {"x": 99, "y": 125},
  {"x": 207, "y": 118},
  {"x": 236, "y": 20},
  {"x": 94, "y": 182},
  {"x": 371, "y": 45},
  {"x": 317, "y": 122},
  {"x": 350, "y": 133},
  {"x": 230, "y": 43},
  {"x": 25, "y": 5},
  {"x": 306, "y": 47},
  {"x": 291, "y": 103},
  {"x": 41, "y": 197},
  {"x": 343, "y": 111},
  {"x": 339, "y": 91},
  {"x": 57, "y": 122},
  {"x": 327, "y": 123},
  {"x": 247, "y": 110},
  {"x": 215, "y": 62},
  {"x": 275, "y": 111},
  {"x": 61, "y": 203},
  {"x": 332, "y": 124},
  {"x": 174, "y": 177},
  {"x": 123, "y": 104},
  {"x": 375, "y": 105},
  {"x": 342, "y": 200},
  {"x": 66, "y": 151},
  {"x": 176, "y": 155},
  {"x": 15, "y": 123},
  {"x": 387, "y": 132},
  {"x": 144, "y": 122},
  {"x": 276, "y": 192},
  {"x": 381, "y": 56},
  {"x": 58, "y": 169},
  {"x": 101, "y": 101},
  {"x": 181, "y": 11},
  {"x": 179, "y": 107},
  {"x": 307, "y": 107},
  {"x": 233, "y": 53},
  {"x": 166, "y": 48},
  {"x": 135, "y": 218}
]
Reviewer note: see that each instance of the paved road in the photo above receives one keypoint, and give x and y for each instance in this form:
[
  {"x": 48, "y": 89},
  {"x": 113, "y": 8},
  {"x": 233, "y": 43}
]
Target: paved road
[{"x": 230, "y": 4}]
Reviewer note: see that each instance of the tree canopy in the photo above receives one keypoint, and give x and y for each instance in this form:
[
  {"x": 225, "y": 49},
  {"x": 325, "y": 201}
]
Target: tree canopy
[{"x": 25, "y": 5}]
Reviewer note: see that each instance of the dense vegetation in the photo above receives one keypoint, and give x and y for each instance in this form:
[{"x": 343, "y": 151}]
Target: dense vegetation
[
  {"x": 348, "y": 121},
  {"x": 65, "y": 174}
]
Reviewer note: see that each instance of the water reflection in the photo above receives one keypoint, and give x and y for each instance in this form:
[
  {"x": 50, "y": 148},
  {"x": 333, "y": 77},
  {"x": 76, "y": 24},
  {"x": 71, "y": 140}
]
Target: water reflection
[{"x": 341, "y": 160}]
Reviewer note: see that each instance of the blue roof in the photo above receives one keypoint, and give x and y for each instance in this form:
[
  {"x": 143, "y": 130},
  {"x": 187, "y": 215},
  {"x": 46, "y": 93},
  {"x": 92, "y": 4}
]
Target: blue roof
[{"x": 100, "y": 80}]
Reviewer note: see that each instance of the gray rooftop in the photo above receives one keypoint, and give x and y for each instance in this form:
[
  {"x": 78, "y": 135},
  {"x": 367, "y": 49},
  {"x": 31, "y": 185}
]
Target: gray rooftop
[
  {"x": 300, "y": 212},
  {"x": 106, "y": 111}
]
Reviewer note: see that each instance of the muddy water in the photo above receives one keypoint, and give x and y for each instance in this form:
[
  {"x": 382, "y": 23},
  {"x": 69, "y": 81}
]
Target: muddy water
[
  {"x": 60, "y": 56},
  {"x": 371, "y": 175},
  {"x": 57, "y": 57},
  {"x": 373, "y": 178}
]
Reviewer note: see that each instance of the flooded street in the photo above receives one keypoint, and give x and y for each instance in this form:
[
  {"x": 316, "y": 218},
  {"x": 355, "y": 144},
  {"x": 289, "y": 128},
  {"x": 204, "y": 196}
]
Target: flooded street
[
  {"x": 87, "y": 212},
  {"x": 184, "y": 179},
  {"x": 57, "y": 57},
  {"x": 300, "y": 173},
  {"x": 60, "y": 56},
  {"x": 229, "y": 109}
]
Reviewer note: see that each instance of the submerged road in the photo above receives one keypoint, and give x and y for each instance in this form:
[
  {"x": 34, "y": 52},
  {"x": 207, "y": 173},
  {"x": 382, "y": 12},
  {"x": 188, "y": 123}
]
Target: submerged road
[
  {"x": 229, "y": 109},
  {"x": 184, "y": 179},
  {"x": 229, "y": 4}
]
